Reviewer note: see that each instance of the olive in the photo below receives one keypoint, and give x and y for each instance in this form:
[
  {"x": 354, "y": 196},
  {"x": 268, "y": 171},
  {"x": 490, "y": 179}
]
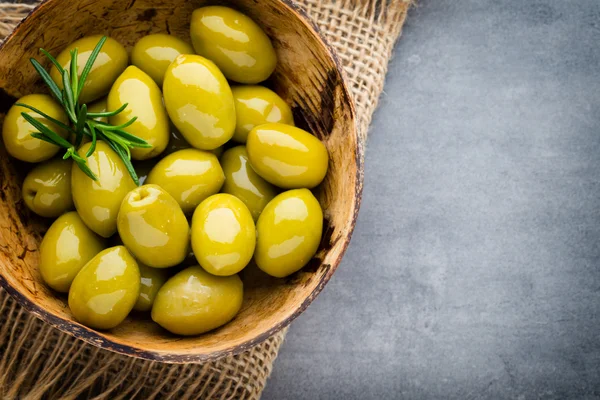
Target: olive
[
  {"x": 189, "y": 175},
  {"x": 16, "y": 131},
  {"x": 111, "y": 61},
  {"x": 199, "y": 101},
  {"x": 99, "y": 106},
  {"x": 66, "y": 247},
  {"x": 154, "y": 53},
  {"x": 193, "y": 301},
  {"x": 47, "y": 188},
  {"x": 106, "y": 289},
  {"x": 289, "y": 232},
  {"x": 244, "y": 183},
  {"x": 287, "y": 156},
  {"x": 257, "y": 105},
  {"x": 98, "y": 202},
  {"x": 223, "y": 234},
  {"x": 239, "y": 47},
  {"x": 153, "y": 227},
  {"x": 144, "y": 101},
  {"x": 151, "y": 281}
]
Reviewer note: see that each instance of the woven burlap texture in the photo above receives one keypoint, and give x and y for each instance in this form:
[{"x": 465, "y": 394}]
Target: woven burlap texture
[{"x": 37, "y": 361}]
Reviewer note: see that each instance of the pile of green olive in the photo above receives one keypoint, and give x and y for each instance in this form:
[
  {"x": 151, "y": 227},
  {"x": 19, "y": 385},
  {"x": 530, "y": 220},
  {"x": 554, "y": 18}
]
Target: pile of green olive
[{"x": 225, "y": 181}]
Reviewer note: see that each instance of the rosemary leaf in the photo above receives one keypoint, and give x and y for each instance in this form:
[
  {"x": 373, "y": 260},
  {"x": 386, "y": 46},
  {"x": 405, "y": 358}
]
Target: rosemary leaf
[
  {"x": 47, "y": 80},
  {"x": 68, "y": 91},
  {"x": 44, "y": 130},
  {"x": 82, "y": 164},
  {"x": 119, "y": 150},
  {"x": 90, "y": 62},
  {"x": 49, "y": 118},
  {"x": 38, "y": 135},
  {"x": 81, "y": 118},
  {"x": 73, "y": 73},
  {"x": 93, "y": 146},
  {"x": 108, "y": 127},
  {"x": 53, "y": 60},
  {"x": 108, "y": 113},
  {"x": 133, "y": 141}
]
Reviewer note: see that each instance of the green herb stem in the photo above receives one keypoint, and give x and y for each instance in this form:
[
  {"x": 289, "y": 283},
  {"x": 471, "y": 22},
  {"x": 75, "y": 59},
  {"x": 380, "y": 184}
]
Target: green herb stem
[{"x": 82, "y": 122}]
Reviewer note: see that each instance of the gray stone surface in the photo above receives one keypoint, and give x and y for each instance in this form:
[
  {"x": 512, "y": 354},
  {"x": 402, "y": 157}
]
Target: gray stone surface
[{"x": 474, "y": 269}]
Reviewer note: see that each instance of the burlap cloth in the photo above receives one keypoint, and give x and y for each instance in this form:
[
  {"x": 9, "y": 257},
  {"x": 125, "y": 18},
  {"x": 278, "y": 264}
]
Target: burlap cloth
[{"x": 38, "y": 361}]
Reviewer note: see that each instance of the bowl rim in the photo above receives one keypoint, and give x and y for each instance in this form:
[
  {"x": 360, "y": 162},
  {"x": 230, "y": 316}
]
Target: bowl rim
[{"x": 95, "y": 338}]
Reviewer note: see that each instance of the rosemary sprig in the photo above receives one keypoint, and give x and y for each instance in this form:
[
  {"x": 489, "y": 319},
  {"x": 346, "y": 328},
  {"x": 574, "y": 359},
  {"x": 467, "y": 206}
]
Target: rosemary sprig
[{"x": 81, "y": 122}]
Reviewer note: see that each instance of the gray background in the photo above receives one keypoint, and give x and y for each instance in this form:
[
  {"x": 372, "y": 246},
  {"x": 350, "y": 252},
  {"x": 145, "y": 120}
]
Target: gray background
[{"x": 474, "y": 268}]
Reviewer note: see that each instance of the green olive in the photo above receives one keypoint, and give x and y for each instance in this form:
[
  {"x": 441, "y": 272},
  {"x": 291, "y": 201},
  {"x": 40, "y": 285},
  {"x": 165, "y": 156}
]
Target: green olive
[
  {"x": 257, "y": 105},
  {"x": 111, "y": 61},
  {"x": 154, "y": 53},
  {"x": 244, "y": 183},
  {"x": 152, "y": 280},
  {"x": 47, "y": 188},
  {"x": 287, "y": 156},
  {"x": 289, "y": 232},
  {"x": 66, "y": 247},
  {"x": 189, "y": 175},
  {"x": 99, "y": 106},
  {"x": 16, "y": 131},
  {"x": 223, "y": 234},
  {"x": 98, "y": 202},
  {"x": 239, "y": 47},
  {"x": 153, "y": 227},
  {"x": 199, "y": 101},
  {"x": 106, "y": 289},
  {"x": 193, "y": 301},
  {"x": 144, "y": 101}
]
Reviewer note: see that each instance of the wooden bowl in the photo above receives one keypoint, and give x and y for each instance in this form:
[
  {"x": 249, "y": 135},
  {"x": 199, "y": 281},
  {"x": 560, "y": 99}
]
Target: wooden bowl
[{"x": 308, "y": 77}]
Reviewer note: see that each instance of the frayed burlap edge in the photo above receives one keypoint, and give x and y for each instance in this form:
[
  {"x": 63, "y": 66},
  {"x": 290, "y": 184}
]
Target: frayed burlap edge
[{"x": 37, "y": 361}]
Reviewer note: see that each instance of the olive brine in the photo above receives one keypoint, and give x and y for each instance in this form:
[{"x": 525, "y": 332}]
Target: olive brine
[{"x": 176, "y": 170}]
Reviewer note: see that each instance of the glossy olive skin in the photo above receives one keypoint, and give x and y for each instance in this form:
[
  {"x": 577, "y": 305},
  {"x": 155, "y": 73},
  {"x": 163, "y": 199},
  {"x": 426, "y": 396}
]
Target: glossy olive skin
[
  {"x": 47, "y": 188},
  {"x": 289, "y": 232},
  {"x": 239, "y": 47},
  {"x": 199, "y": 101},
  {"x": 66, "y": 247},
  {"x": 257, "y": 105},
  {"x": 154, "y": 53},
  {"x": 98, "y": 107},
  {"x": 193, "y": 301},
  {"x": 177, "y": 142},
  {"x": 98, "y": 202},
  {"x": 106, "y": 289},
  {"x": 286, "y": 156},
  {"x": 110, "y": 63},
  {"x": 151, "y": 281},
  {"x": 144, "y": 101},
  {"x": 16, "y": 131},
  {"x": 244, "y": 183},
  {"x": 153, "y": 227},
  {"x": 223, "y": 235},
  {"x": 189, "y": 175}
]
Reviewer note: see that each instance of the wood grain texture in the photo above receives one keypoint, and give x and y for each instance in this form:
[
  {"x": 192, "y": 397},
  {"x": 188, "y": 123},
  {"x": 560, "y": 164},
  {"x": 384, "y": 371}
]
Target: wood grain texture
[{"x": 307, "y": 76}]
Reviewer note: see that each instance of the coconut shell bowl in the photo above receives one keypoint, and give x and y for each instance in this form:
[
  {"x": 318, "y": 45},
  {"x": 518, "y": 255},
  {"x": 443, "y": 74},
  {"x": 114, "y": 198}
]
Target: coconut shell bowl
[{"x": 308, "y": 76}]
